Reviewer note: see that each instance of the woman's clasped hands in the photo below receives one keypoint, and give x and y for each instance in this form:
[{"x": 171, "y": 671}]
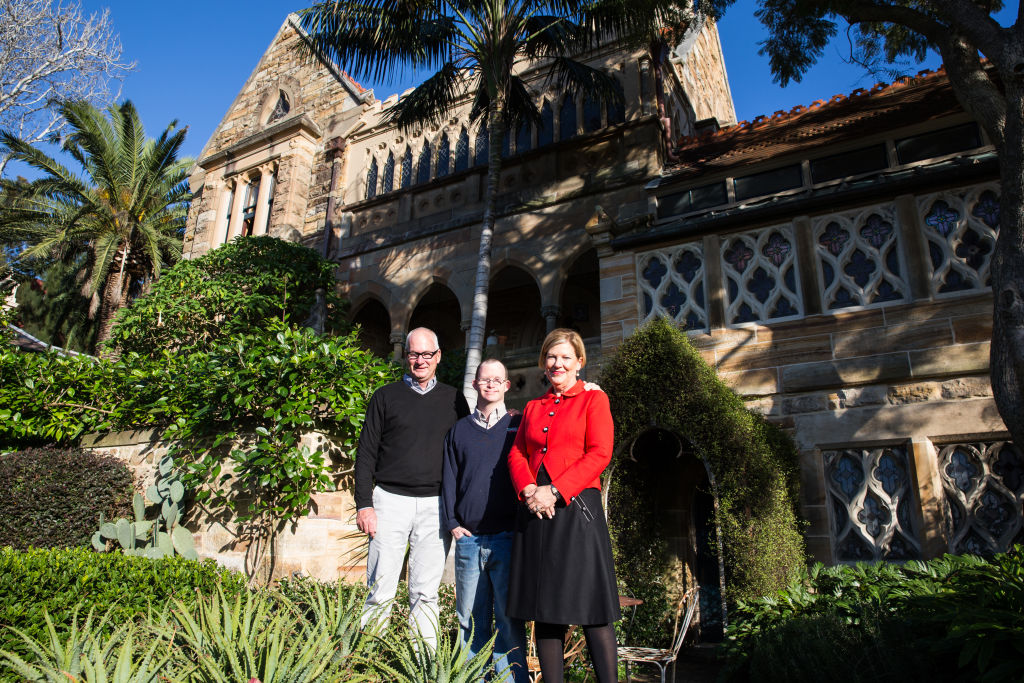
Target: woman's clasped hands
[{"x": 540, "y": 500}]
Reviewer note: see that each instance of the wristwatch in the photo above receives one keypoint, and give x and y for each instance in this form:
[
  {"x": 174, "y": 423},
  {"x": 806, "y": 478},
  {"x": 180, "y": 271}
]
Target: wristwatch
[{"x": 555, "y": 491}]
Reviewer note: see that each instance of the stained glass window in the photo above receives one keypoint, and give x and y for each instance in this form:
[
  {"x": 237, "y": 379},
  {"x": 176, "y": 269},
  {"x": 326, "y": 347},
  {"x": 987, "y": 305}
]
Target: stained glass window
[
  {"x": 406, "y": 168},
  {"x": 672, "y": 285},
  {"x": 870, "y": 496},
  {"x": 524, "y": 138},
  {"x": 591, "y": 115},
  {"x": 462, "y": 151},
  {"x": 567, "y": 119},
  {"x": 443, "y": 154},
  {"x": 858, "y": 255},
  {"x": 388, "y": 180},
  {"x": 423, "y": 165},
  {"x": 280, "y": 109},
  {"x": 761, "y": 276},
  {"x": 960, "y": 227},
  {"x": 481, "y": 147},
  {"x": 546, "y": 132},
  {"x": 984, "y": 492},
  {"x": 371, "y": 180}
]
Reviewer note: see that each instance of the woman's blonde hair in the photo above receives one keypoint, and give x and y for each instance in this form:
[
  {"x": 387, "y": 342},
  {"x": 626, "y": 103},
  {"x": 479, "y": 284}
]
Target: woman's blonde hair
[{"x": 556, "y": 337}]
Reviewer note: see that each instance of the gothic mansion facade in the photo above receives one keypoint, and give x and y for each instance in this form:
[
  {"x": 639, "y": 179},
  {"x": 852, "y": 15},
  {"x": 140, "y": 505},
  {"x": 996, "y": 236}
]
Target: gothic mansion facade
[{"x": 831, "y": 262}]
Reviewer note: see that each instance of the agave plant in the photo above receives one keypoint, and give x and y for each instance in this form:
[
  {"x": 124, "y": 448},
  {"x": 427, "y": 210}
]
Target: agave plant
[
  {"x": 335, "y": 608},
  {"x": 409, "y": 659},
  {"x": 86, "y": 654},
  {"x": 258, "y": 635}
]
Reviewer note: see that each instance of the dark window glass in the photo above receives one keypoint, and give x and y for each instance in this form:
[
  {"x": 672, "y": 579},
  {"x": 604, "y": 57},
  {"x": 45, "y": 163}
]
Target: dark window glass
[
  {"x": 617, "y": 110},
  {"x": 406, "y": 168},
  {"x": 591, "y": 115},
  {"x": 443, "y": 153},
  {"x": 524, "y": 139},
  {"x": 938, "y": 143},
  {"x": 848, "y": 163},
  {"x": 462, "y": 152},
  {"x": 388, "y": 181},
  {"x": 695, "y": 199},
  {"x": 423, "y": 165},
  {"x": 506, "y": 146},
  {"x": 482, "y": 141},
  {"x": 768, "y": 182},
  {"x": 371, "y": 180},
  {"x": 546, "y": 132},
  {"x": 567, "y": 119},
  {"x": 280, "y": 109}
]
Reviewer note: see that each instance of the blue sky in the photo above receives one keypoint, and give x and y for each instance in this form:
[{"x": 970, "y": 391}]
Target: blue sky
[{"x": 193, "y": 57}]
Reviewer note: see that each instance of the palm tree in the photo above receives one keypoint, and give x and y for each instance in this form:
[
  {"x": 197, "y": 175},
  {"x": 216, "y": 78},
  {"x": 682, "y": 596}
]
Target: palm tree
[
  {"x": 126, "y": 214},
  {"x": 474, "y": 46}
]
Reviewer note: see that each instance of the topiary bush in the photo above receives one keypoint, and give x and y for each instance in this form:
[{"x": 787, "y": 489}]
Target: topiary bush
[
  {"x": 53, "y": 498},
  {"x": 658, "y": 379},
  {"x": 56, "y": 580}
]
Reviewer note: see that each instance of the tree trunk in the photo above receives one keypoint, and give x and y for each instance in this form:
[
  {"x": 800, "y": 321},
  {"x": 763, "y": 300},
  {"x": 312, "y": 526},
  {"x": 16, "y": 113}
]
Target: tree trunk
[
  {"x": 1007, "y": 359},
  {"x": 496, "y": 135},
  {"x": 114, "y": 296}
]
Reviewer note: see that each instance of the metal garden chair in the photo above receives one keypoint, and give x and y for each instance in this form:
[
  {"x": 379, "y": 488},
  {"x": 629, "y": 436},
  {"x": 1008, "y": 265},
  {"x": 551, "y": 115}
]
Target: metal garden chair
[{"x": 664, "y": 657}]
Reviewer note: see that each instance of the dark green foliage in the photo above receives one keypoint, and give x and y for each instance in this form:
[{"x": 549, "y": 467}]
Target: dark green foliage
[
  {"x": 57, "y": 311},
  {"x": 657, "y": 379},
  {"x": 237, "y": 288},
  {"x": 52, "y": 498},
  {"x": 57, "y": 580},
  {"x": 952, "y": 618}
]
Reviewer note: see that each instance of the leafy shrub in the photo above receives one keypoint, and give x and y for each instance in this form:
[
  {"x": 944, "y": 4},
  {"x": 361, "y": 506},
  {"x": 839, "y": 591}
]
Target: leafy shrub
[
  {"x": 52, "y": 498},
  {"x": 62, "y": 582},
  {"x": 952, "y": 618}
]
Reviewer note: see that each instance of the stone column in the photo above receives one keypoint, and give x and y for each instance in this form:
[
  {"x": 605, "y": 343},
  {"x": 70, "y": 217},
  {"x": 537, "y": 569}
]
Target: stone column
[
  {"x": 218, "y": 232},
  {"x": 236, "y": 208},
  {"x": 260, "y": 220},
  {"x": 550, "y": 315},
  {"x": 397, "y": 340}
]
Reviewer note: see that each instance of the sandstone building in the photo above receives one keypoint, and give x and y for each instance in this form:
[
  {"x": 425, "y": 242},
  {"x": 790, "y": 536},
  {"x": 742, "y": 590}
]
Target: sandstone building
[{"x": 831, "y": 262}]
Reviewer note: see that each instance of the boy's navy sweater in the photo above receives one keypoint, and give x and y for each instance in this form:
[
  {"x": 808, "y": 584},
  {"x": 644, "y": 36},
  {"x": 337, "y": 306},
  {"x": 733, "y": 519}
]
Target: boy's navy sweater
[{"x": 476, "y": 489}]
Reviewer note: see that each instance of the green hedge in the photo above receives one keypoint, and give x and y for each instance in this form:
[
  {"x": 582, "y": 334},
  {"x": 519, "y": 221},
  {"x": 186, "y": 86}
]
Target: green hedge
[
  {"x": 949, "y": 619},
  {"x": 657, "y": 379},
  {"x": 53, "y": 498},
  {"x": 56, "y": 580}
]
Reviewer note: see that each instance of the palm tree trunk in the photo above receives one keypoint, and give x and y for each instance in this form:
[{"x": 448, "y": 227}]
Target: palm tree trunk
[
  {"x": 474, "y": 352},
  {"x": 114, "y": 294}
]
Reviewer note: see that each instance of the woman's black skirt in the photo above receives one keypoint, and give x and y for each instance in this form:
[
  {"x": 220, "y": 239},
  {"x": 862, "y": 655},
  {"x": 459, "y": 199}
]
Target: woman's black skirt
[{"x": 562, "y": 568}]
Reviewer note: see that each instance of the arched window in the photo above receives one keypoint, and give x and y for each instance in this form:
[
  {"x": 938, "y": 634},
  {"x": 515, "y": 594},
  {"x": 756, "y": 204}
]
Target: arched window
[
  {"x": 524, "y": 138},
  {"x": 423, "y": 165},
  {"x": 567, "y": 119},
  {"x": 388, "y": 183},
  {"x": 462, "y": 151},
  {"x": 252, "y": 191},
  {"x": 406, "y": 168},
  {"x": 546, "y": 132},
  {"x": 280, "y": 109},
  {"x": 443, "y": 154},
  {"x": 482, "y": 145},
  {"x": 506, "y": 145},
  {"x": 371, "y": 180},
  {"x": 617, "y": 110},
  {"x": 591, "y": 114}
]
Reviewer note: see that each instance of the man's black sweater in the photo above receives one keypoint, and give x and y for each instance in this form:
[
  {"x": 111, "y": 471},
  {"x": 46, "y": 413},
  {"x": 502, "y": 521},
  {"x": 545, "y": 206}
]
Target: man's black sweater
[{"x": 401, "y": 441}]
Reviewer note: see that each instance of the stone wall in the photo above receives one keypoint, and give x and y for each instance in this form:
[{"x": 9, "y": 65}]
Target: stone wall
[{"x": 325, "y": 544}]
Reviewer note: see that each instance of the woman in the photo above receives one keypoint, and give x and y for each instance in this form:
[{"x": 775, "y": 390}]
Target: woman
[{"x": 562, "y": 571}]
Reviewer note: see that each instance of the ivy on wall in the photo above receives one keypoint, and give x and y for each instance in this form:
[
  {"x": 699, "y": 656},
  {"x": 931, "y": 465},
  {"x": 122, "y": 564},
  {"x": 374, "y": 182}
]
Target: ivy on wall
[{"x": 658, "y": 379}]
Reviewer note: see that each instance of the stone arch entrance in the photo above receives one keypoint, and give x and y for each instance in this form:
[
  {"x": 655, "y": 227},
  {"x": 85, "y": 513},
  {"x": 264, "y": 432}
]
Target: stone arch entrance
[
  {"x": 439, "y": 310},
  {"x": 580, "y": 302},
  {"x": 375, "y": 327},
  {"x": 514, "y": 311}
]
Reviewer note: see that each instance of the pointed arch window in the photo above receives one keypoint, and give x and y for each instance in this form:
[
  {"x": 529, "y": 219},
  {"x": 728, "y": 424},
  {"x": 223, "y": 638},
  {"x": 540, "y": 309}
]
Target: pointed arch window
[
  {"x": 388, "y": 181},
  {"x": 462, "y": 151},
  {"x": 280, "y": 109},
  {"x": 371, "y": 180},
  {"x": 506, "y": 145},
  {"x": 406, "y": 168},
  {"x": 567, "y": 119},
  {"x": 524, "y": 138},
  {"x": 423, "y": 165},
  {"x": 591, "y": 114},
  {"x": 443, "y": 154},
  {"x": 546, "y": 132},
  {"x": 482, "y": 145},
  {"x": 617, "y": 110}
]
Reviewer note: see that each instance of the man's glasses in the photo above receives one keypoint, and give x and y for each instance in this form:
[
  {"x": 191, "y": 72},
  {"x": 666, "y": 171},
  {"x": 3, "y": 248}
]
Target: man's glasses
[
  {"x": 491, "y": 381},
  {"x": 426, "y": 355}
]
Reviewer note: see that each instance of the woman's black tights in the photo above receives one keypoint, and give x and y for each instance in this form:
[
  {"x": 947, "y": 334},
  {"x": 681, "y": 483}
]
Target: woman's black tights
[{"x": 600, "y": 641}]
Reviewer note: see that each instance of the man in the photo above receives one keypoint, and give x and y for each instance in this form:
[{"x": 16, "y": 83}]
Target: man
[
  {"x": 478, "y": 507},
  {"x": 398, "y": 485}
]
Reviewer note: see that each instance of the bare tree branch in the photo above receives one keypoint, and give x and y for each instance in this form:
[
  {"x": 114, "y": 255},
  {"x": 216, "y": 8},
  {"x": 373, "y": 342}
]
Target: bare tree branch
[{"x": 50, "y": 52}]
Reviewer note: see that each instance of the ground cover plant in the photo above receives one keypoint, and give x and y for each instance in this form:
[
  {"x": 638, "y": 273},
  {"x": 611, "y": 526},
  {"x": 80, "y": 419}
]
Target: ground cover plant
[
  {"x": 954, "y": 618},
  {"x": 54, "y": 497}
]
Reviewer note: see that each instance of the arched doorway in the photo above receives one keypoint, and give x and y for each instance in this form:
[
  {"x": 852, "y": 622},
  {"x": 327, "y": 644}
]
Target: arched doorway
[
  {"x": 513, "y": 311},
  {"x": 581, "y": 296},
  {"x": 439, "y": 310},
  {"x": 375, "y": 327}
]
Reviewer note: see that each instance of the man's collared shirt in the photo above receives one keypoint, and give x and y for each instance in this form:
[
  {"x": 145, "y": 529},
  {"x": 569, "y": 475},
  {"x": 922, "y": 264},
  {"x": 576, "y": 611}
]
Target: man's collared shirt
[
  {"x": 489, "y": 421},
  {"x": 415, "y": 386}
]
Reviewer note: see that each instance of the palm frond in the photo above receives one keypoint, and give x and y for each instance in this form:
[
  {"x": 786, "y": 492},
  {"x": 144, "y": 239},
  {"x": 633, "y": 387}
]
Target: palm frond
[
  {"x": 576, "y": 78},
  {"x": 431, "y": 101}
]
